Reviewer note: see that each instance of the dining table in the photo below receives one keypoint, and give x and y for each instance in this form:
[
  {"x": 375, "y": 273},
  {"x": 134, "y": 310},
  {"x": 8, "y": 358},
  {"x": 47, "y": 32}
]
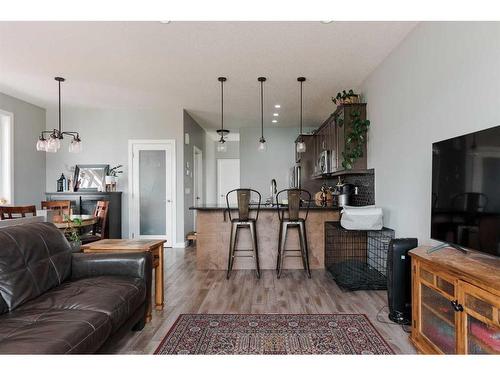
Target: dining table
[{"x": 84, "y": 221}]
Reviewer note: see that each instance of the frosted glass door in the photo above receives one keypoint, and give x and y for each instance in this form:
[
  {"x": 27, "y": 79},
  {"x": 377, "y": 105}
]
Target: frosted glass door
[
  {"x": 152, "y": 214},
  {"x": 152, "y": 193}
]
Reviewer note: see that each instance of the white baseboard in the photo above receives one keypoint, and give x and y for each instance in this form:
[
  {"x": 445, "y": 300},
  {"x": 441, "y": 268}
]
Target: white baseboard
[{"x": 180, "y": 245}]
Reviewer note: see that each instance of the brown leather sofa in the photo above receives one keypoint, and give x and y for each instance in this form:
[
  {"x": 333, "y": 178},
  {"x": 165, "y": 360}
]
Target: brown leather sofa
[{"x": 53, "y": 301}]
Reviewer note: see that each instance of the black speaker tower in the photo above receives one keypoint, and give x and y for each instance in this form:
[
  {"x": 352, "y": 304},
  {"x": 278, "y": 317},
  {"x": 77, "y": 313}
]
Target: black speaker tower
[{"x": 399, "y": 279}]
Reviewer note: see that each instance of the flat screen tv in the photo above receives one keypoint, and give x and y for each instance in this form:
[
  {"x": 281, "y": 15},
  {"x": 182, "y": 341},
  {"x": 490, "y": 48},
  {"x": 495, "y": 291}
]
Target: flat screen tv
[{"x": 466, "y": 191}]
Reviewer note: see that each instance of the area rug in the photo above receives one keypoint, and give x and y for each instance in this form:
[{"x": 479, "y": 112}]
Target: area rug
[{"x": 273, "y": 334}]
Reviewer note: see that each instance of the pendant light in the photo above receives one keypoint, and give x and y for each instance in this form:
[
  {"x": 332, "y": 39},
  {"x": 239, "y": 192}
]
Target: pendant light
[
  {"x": 53, "y": 143},
  {"x": 262, "y": 141},
  {"x": 301, "y": 146},
  {"x": 221, "y": 144}
]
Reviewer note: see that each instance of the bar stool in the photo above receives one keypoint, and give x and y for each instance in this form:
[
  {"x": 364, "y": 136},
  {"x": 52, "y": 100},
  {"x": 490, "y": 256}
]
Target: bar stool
[
  {"x": 243, "y": 221},
  {"x": 289, "y": 218}
]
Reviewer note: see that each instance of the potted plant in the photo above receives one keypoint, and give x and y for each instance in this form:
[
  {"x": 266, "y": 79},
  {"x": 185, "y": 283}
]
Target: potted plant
[
  {"x": 355, "y": 140},
  {"x": 346, "y": 97},
  {"x": 72, "y": 234},
  {"x": 112, "y": 177}
]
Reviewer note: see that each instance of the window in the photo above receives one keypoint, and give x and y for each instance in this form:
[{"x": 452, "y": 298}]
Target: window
[{"x": 6, "y": 158}]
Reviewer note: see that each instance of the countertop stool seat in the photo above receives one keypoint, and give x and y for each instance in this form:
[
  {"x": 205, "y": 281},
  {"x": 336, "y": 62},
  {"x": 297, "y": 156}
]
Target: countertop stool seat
[
  {"x": 243, "y": 220},
  {"x": 289, "y": 217}
]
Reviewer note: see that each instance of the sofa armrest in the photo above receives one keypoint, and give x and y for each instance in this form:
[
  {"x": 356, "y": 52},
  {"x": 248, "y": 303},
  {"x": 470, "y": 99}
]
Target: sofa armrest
[{"x": 138, "y": 265}]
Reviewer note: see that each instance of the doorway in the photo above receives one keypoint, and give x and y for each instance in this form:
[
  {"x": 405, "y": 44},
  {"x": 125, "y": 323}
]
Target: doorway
[
  {"x": 198, "y": 192},
  {"x": 152, "y": 198},
  {"x": 228, "y": 178}
]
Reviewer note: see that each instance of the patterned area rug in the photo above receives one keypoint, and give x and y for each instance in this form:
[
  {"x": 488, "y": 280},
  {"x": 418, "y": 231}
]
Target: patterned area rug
[{"x": 273, "y": 334}]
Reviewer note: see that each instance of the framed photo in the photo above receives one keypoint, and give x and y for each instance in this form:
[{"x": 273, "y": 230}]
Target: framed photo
[{"x": 90, "y": 177}]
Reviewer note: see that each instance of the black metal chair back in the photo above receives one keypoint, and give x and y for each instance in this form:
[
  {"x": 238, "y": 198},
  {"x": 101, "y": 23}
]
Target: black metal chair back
[
  {"x": 294, "y": 197},
  {"x": 243, "y": 199}
]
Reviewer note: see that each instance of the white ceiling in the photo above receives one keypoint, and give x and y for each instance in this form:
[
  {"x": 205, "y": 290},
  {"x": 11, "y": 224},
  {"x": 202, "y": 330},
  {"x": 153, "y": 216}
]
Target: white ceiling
[{"x": 146, "y": 64}]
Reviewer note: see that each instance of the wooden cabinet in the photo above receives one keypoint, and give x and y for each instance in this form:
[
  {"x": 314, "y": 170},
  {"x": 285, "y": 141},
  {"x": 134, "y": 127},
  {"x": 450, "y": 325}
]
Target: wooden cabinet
[
  {"x": 331, "y": 136},
  {"x": 455, "y": 302}
]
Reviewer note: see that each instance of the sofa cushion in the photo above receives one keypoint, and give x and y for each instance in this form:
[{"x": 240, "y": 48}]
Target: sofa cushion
[
  {"x": 53, "y": 331},
  {"x": 34, "y": 258},
  {"x": 117, "y": 297}
]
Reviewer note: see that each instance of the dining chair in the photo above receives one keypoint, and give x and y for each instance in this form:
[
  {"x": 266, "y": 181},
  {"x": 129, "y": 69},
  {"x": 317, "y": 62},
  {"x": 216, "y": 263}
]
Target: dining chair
[
  {"x": 13, "y": 212},
  {"x": 100, "y": 229},
  {"x": 64, "y": 207}
]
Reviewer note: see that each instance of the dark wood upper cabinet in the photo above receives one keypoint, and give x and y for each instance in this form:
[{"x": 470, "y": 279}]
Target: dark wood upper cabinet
[{"x": 329, "y": 140}]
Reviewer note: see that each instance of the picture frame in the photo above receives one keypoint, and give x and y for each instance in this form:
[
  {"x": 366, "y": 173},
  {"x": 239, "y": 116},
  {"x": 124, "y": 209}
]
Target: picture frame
[{"x": 90, "y": 177}]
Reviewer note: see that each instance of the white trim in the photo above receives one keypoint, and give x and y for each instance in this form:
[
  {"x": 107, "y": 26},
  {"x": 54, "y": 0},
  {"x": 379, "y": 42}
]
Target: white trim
[
  {"x": 180, "y": 245},
  {"x": 11, "y": 154},
  {"x": 131, "y": 144},
  {"x": 198, "y": 181}
]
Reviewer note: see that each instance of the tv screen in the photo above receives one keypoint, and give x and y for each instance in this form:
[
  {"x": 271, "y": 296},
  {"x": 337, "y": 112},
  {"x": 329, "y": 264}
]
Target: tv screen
[{"x": 466, "y": 191}]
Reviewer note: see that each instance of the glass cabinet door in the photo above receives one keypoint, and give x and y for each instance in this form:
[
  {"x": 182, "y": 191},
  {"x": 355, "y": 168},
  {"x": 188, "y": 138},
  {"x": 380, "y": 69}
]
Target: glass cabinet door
[
  {"x": 438, "y": 318},
  {"x": 481, "y": 323}
]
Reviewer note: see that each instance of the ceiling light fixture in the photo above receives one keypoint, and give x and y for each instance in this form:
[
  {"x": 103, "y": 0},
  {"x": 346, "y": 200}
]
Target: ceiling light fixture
[
  {"x": 277, "y": 106},
  {"x": 274, "y": 121},
  {"x": 53, "y": 143},
  {"x": 276, "y": 114},
  {"x": 301, "y": 146},
  {"x": 262, "y": 141},
  {"x": 221, "y": 145}
]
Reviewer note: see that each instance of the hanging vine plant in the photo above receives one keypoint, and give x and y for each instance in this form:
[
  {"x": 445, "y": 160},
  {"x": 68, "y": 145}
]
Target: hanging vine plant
[{"x": 355, "y": 140}]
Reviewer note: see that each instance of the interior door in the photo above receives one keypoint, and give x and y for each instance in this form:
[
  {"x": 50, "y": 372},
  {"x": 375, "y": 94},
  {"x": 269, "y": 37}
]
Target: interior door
[
  {"x": 228, "y": 178},
  {"x": 153, "y": 176}
]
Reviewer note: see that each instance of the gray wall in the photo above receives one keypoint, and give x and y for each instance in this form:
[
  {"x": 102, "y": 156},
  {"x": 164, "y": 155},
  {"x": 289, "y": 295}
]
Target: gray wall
[
  {"x": 105, "y": 134},
  {"x": 29, "y": 164},
  {"x": 196, "y": 138},
  {"x": 258, "y": 168},
  {"x": 442, "y": 81},
  {"x": 233, "y": 152}
]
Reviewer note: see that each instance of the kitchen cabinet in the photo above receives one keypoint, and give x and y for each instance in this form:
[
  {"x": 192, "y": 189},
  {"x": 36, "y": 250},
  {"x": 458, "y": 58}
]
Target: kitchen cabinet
[
  {"x": 455, "y": 302},
  {"x": 329, "y": 141}
]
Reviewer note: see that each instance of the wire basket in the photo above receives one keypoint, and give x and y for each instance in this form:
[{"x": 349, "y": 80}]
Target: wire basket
[{"x": 357, "y": 259}]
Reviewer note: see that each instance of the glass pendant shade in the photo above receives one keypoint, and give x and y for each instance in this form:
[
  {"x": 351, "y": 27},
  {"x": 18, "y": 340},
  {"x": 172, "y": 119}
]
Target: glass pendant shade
[
  {"x": 41, "y": 145},
  {"x": 301, "y": 147},
  {"x": 262, "y": 145},
  {"x": 75, "y": 146},
  {"x": 53, "y": 144},
  {"x": 221, "y": 146}
]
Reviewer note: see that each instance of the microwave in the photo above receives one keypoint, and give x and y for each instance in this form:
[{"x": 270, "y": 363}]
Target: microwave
[{"x": 326, "y": 162}]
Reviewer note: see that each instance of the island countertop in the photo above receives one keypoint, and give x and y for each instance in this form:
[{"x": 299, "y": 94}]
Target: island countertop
[{"x": 213, "y": 231}]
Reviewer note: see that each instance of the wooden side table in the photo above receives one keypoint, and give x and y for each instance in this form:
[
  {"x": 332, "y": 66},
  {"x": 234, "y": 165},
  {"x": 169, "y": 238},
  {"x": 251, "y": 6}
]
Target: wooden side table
[{"x": 155, "y": 247}]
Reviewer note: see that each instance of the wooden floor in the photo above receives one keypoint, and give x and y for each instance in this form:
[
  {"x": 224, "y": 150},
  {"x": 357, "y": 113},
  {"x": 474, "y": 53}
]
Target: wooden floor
[{"x": 188, "y": 290}]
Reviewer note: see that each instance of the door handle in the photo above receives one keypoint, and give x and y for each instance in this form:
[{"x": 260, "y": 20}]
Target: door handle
[
  {"x": 456, "y": 306},
  {"x": 169, "y": 201}
]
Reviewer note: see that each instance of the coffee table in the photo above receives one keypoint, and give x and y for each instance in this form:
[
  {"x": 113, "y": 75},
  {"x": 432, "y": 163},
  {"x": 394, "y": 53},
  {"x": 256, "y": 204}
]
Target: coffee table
[{"x": 155, "y": 247}]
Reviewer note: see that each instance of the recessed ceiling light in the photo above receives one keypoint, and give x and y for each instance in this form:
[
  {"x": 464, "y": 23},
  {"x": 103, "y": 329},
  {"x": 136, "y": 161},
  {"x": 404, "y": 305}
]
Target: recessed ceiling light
[
  {"x": 165, "y": 22},
  {"x": 277, "y": 106},
  {"x": 276, "y": 114},
  {"x": 275, "y": 121}
]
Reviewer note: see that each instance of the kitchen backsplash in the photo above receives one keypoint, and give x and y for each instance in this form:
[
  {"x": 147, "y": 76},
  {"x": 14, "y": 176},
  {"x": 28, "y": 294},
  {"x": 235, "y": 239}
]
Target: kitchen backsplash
[{"x": 366, "y": 188}]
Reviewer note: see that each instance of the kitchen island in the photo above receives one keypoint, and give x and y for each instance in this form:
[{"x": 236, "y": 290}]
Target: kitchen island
[{"x": 213, "y": 233}]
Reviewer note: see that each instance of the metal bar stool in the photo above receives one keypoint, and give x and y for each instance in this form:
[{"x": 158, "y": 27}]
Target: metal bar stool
[
  {"x": 243, "y": 221},
  {"x": 289, "y": 217}
]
